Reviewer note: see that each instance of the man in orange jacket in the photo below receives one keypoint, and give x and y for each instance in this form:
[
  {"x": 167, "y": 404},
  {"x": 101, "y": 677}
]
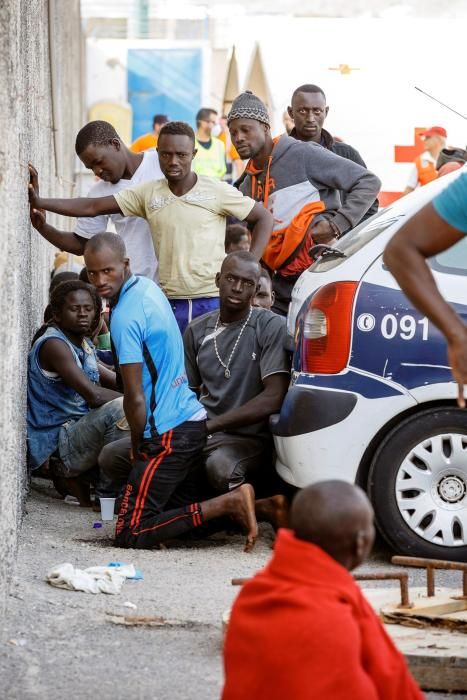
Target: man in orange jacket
[
  {"x": 302, "y": 628},
  {"x": 424, "y": 166}
]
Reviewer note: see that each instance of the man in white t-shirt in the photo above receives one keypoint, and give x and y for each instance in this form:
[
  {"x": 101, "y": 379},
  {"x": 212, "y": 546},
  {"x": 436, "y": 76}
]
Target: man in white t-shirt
[
  {"x": 101, "y": 150},
  {"x": 187, "y": 217}
]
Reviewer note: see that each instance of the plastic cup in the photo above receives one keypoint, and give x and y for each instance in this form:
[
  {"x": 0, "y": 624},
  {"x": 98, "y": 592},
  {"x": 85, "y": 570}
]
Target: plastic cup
[{"x": 107, "y": 508}]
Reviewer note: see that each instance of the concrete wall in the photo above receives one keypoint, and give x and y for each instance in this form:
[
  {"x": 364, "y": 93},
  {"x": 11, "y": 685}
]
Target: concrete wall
[{"x": 40, "y": 112}]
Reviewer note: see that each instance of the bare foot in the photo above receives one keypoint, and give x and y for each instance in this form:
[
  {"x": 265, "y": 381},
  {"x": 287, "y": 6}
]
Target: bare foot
[
  {"x": 274, "y": 510},
  {"x": 243, "y": 511}
]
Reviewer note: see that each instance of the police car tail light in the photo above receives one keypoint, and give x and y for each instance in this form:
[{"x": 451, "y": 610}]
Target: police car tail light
[{"x": 327, "y": 328}]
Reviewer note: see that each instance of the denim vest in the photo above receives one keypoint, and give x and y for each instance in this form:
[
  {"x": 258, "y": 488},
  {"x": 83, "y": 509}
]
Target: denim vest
[{"x": 51, "y": 402}]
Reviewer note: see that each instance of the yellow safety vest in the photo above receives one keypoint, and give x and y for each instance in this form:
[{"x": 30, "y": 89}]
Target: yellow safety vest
[{"x": 210, "y": 161}]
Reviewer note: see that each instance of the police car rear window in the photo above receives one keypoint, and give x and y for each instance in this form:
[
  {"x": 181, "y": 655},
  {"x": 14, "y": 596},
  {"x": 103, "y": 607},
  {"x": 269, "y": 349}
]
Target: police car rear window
[
  {"x": 356, "y": 239},
  {"x": 452, "y": 261}
]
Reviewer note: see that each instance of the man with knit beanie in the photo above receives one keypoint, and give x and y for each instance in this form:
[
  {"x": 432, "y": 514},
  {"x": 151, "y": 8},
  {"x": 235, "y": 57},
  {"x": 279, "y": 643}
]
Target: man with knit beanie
[{"x": 299, "y": 183}]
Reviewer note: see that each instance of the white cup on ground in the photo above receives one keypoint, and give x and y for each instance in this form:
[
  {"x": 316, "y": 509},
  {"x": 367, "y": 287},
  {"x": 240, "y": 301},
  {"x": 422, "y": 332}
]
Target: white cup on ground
[{"x": 107, "y": 508}]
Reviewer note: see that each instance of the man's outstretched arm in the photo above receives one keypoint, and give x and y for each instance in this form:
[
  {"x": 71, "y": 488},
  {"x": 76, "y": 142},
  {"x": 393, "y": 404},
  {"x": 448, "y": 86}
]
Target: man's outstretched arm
[
  {"x": 82, "y": 206},
  {"x": 262, "y": 221},
  {"x": 424, "y": 235}
]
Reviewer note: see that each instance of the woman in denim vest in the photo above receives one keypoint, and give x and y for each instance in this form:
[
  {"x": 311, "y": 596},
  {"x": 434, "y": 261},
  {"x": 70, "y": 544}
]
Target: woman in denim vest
[{"x": 73, "y": 407}]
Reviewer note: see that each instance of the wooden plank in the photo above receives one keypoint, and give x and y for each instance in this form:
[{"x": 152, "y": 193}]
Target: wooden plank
[{"x": 437, "y": 657}]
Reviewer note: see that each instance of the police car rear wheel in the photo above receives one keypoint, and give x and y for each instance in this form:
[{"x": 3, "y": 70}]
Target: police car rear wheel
[{"x": 418, "y": 485}]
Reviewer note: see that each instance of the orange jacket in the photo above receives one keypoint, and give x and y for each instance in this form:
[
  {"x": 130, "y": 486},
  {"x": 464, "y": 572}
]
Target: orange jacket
[
  {"x": 287, "y": 249},
  {"x": 426, "y": 171},
  {"x": 144, "y": 143}
]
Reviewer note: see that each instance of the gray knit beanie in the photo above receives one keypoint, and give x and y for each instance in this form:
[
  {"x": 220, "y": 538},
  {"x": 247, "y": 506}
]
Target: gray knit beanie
[{"x": 248, "y": 106}]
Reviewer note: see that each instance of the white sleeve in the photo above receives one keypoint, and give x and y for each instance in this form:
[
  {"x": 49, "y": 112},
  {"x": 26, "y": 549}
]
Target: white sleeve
[
  {"x": 88, "y": 226},
  {"x": 412, "y": 180}
]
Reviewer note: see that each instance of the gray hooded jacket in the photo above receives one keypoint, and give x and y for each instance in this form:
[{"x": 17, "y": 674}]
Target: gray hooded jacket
[{"x": 301, "y": 173}]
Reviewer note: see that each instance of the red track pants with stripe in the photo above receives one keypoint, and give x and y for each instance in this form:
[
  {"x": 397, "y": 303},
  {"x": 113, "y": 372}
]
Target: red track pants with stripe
[{"x": 160, "y": 498}]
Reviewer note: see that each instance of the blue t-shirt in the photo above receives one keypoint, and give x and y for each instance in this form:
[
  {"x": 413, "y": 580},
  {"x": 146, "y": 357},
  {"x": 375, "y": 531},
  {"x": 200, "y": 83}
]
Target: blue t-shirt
[
  {"x": 451, "y": 203},
  {"x": 144, "y": 330}
]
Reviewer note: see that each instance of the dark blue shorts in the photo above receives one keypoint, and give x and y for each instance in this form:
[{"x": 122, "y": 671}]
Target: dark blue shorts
[{"x": 185, "y": 310}]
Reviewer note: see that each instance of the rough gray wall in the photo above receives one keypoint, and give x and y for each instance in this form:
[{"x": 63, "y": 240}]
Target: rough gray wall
[{"x": 40, "y": 112}]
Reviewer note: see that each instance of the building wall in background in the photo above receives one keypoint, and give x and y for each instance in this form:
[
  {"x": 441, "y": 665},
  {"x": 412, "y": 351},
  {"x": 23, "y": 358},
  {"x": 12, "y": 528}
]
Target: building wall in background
[
  {"x": 152, "y": 77},
  {"x": 40, "y": 112}
]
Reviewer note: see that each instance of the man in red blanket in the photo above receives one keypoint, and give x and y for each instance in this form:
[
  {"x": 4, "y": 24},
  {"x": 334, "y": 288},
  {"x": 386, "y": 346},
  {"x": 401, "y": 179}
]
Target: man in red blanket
[{"x": 301, "y": 628}]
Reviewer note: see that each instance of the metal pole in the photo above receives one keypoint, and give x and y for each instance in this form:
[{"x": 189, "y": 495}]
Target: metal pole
[{"x": 439, "y": 102}]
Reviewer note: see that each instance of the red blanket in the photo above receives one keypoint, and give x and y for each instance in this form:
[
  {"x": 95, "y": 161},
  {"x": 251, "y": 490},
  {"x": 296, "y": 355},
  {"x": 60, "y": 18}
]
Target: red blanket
[{"x": 302, "y": 630}]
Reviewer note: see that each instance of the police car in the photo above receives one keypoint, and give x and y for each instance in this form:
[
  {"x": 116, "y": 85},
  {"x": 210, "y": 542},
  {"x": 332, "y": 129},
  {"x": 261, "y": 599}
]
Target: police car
[{"x": 372, "y": 399}]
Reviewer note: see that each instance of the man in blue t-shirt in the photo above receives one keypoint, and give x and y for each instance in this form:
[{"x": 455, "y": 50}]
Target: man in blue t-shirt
[
  {"x": 436, "y": 227},
  {"x": 167, "y": 423}
]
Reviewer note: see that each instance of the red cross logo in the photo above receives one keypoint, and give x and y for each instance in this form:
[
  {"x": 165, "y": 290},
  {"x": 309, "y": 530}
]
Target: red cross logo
[{"x": 404, "y": 154}]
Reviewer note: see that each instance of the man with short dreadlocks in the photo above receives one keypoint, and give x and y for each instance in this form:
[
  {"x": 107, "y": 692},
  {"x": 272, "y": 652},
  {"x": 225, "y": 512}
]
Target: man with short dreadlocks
[{"x": 73, "y": 407}]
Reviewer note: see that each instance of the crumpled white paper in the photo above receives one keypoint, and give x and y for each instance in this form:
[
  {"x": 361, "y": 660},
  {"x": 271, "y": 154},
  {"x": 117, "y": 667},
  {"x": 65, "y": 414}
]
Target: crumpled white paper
[{"x": 95, "y": 579}]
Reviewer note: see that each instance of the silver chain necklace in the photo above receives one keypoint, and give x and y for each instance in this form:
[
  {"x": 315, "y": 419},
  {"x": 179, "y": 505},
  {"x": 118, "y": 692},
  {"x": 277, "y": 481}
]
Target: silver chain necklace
[{"x": 226, "y": 366}]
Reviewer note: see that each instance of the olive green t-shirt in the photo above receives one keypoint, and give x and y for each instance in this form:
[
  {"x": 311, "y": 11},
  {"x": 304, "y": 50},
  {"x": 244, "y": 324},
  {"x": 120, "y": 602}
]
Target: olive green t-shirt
[{"x": 188, "y": 231}]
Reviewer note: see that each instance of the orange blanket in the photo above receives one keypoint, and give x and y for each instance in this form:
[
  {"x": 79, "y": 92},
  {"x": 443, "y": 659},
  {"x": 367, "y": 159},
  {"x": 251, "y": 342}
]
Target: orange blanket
[{"x": 301, "y": 629}]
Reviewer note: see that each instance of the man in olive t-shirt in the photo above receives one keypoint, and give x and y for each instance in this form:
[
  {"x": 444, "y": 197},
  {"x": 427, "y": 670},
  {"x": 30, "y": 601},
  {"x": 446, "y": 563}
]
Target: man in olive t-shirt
[
  {"x": 236, "y": 361},
  {"x": 186, "y": 214}
]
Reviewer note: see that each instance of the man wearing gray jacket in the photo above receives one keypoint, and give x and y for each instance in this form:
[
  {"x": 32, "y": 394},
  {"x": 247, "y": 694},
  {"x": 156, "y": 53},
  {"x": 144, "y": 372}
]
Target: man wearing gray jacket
[{"x": 299, "y": 183}]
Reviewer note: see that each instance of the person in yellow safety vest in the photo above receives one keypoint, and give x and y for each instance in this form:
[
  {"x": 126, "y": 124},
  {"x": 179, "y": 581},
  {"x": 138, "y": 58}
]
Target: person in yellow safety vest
[
  {"x": 210, "y": 151},
  {"x": 424, "y": 166}
]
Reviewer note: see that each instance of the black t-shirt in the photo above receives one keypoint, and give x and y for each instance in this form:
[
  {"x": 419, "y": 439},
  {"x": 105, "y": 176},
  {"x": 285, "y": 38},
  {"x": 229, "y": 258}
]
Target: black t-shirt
[{"x": 260, "y": 352}]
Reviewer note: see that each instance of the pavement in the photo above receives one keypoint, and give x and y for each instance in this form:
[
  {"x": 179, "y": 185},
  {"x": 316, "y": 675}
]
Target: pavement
[{"x": 56, "y": 643}]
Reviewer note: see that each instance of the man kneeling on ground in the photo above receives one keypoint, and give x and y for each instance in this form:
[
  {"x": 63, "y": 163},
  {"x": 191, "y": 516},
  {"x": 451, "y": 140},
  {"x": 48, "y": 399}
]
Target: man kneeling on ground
[
  {"x": 167, "y": 423},
  {"x": 317, "y": 635},
  {"x": 236, "y": 361},
  {"x": 73, "y": 408}
]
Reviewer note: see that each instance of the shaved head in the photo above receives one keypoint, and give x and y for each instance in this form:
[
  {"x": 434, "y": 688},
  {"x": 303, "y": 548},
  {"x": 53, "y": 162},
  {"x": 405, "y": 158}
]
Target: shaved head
[
  {"x": 336, "y": 516},
  {"x": 232, "y": 260},
  {"x": 107, "y": 264},
  {"x": 111, "y": 241}
]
